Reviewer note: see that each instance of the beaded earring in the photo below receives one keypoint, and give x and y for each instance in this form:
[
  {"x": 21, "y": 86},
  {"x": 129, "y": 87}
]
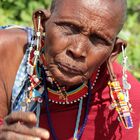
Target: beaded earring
[
  {"x": 38, "y": 41},
  {"x": 120, "y": 96},
  {"x": 32, "y": 68},
  {"x": 35, "y": 48},
  {"x": 126, "y": 85}
]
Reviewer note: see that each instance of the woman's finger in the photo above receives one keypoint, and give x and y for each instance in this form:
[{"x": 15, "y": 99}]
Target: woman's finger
[
  {"x": 25, "y": 130},
  {"x": 25, "y": 117},
  {"x": 15, "y": 136}
]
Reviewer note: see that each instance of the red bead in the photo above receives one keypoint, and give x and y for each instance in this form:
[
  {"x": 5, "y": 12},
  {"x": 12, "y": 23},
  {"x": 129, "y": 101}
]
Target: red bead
[{"x": 1, "y": 121}]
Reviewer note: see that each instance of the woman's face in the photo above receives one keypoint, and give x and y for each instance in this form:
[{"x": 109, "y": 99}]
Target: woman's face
[{"x": 80, "y": 36}]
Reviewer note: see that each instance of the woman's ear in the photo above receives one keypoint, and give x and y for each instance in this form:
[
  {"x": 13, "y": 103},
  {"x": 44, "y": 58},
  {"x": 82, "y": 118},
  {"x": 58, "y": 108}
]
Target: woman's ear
[
  {"x": 117, "y": 48},
  {"x": 44, "y": 16},
  {"x": 116, "y": 51}
]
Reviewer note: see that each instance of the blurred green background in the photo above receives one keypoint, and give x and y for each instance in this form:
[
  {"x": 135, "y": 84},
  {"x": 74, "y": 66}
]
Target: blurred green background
[{"x": 20, "y": 11}]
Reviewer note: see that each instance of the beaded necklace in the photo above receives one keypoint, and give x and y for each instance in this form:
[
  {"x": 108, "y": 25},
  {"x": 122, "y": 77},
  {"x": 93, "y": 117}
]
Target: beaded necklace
[{"x": 77, "y": 135}]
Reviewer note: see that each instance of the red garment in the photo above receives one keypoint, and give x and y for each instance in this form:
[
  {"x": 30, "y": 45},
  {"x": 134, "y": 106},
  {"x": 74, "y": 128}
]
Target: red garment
[{"x": 102, "y": 123}]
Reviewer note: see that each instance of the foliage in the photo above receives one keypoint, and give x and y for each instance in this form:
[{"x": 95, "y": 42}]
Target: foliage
[
  {"x": 19, "y": 12},
  {"x": 131, "y": 33}
]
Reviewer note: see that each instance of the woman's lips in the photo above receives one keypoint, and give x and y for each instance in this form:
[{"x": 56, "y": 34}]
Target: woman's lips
[{"x": 69, "y": 69}]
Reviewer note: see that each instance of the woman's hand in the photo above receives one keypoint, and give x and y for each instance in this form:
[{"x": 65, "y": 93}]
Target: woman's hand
[{"x": 21, "y": 126}]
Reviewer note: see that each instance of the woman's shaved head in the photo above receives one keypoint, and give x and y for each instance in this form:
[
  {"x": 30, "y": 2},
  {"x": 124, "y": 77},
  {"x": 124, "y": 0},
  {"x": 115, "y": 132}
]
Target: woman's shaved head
[{"x": 120, "y": 7}]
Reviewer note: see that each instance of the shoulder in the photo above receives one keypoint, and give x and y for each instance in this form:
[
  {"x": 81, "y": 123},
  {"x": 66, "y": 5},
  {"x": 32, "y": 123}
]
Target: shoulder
[
  {"x": 12, "y": 47},
  {"x": 12, "y": 39}
]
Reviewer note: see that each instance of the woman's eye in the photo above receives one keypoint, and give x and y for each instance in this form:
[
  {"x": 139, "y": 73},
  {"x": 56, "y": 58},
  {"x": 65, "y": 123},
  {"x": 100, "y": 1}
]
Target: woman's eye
[
  {"x": 96, "y": 39},
  {"x": 69, "y": 29}
]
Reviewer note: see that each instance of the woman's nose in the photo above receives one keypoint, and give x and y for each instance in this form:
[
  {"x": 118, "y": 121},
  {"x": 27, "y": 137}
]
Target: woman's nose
[{"x": 78, "y": 49}]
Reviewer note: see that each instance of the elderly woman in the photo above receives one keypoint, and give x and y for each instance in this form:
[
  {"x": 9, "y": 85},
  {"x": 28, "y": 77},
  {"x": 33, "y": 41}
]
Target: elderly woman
[{"x": 54, "y": 79}]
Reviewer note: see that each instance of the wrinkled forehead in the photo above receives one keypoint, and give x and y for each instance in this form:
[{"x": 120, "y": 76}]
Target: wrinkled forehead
[
  {"x": 104, "y": 6},
  {"x": 88, "y": 10}
]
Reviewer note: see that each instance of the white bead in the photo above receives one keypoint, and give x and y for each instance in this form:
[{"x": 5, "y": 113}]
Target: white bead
[
  {"x": 30, "y": 48},
  {"x": 30, "y": 69},
  {"x": 36, "y": 52},
  {"x": 38, "y": 34},
  {"x": 40, "y": 100},
  {"x": 36, "y": 79}
]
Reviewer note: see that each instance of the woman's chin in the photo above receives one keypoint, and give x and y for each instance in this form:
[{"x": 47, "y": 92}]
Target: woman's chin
[
  {"x": 70, "y": 81},
  {"x": 67, "y": 79}
]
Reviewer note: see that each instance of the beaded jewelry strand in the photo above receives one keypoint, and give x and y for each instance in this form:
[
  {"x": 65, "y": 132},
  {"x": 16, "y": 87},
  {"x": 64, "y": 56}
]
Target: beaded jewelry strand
[
  {"x": 120, "y": 96},
  {"x": 77, "y": 134}
]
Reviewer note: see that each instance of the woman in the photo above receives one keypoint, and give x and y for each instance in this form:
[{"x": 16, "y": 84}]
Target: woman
[{"x": 62, "y": 75}]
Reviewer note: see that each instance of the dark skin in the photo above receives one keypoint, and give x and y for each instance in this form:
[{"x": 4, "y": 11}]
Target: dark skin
[{"x": 78, "y": 42}]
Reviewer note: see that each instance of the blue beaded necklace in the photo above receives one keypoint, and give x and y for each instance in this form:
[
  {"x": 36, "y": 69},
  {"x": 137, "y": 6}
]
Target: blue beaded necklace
[{"x": 77, "y": 134}]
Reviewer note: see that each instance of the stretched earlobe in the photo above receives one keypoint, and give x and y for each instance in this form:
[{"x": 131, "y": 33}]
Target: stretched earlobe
[
  {"x": 43, "y": 15},
  {"x": 110, "y": 70},
  {"x": 116, "y": 51},
  {"x": 117, "y": 48}
]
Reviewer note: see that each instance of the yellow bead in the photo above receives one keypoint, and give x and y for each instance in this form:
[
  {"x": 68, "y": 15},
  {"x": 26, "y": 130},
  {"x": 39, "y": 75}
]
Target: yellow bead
[
  {"x": 121, "y": 96},
  {"x": 28, "y": 100}
]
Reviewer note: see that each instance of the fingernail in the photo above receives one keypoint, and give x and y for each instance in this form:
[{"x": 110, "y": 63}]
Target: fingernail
[{"x": 46, "y": 135}]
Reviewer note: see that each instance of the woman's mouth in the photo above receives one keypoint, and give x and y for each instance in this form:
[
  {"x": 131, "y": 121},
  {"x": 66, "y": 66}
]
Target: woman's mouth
[{"x": 69, "y": 69}]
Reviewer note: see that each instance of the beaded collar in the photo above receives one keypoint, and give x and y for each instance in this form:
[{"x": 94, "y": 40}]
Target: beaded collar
[{"x": 74, "y": 95}]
